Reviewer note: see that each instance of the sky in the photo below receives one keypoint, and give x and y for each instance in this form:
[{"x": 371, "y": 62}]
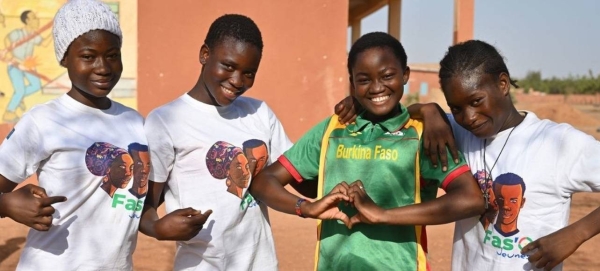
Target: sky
[{"x": 556, "y": 37}]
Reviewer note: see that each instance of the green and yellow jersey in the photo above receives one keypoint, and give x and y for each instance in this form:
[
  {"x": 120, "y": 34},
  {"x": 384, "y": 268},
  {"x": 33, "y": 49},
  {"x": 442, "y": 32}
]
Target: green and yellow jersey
[{"x": 388, "y": 158}]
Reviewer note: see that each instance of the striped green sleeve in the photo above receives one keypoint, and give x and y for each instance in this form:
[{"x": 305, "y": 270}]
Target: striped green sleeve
[
  {"x": 435, "y": 176},
  {"x": 302, "y": 160}
]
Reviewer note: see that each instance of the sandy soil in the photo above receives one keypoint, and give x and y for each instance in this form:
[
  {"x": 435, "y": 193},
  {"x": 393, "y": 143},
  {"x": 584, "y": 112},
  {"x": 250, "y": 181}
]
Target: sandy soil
[{"x": 295, "y": 237}]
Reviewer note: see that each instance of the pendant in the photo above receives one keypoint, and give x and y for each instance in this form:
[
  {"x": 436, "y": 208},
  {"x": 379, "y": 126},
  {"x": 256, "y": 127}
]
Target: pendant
[{"x": 486, "y": 199}]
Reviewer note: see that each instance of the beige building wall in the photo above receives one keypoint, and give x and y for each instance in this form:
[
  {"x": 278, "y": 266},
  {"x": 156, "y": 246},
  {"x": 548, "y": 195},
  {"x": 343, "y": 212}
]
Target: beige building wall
[{"x": 303, "y": 70}]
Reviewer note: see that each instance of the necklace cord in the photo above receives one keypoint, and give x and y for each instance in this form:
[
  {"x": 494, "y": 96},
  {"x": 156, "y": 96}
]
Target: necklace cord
[{"x": 487, "y": 186}]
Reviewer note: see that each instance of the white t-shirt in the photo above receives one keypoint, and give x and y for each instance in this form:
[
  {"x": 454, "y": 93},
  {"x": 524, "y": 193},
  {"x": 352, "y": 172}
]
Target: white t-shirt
[
  {"x": 198, "y": 149},
  {"x": 552, "y": 160},
  {"x": 64, "y": 141}
]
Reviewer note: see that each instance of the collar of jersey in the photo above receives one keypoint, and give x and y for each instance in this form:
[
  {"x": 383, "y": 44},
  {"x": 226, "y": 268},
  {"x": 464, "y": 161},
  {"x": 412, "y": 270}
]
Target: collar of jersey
[{"x": 390, "y": 125}]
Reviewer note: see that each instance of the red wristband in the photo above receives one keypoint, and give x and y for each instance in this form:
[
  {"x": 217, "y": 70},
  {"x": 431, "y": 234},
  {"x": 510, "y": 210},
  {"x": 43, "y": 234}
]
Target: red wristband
[{"x": 298, "y": 211}]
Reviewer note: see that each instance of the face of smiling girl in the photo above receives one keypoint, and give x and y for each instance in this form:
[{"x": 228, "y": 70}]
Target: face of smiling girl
[{"x": 378, "y": 81}]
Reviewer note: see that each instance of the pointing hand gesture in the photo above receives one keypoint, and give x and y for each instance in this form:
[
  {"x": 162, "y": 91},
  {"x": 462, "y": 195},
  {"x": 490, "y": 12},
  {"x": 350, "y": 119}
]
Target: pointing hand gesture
[{"x": 30, "y": 206}]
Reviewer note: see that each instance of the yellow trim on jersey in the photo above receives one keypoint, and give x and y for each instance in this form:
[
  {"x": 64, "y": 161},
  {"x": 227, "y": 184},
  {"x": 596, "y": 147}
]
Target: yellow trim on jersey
[
  {"x": 333, "y": 124},
  {"x": 421, "y": 255}
]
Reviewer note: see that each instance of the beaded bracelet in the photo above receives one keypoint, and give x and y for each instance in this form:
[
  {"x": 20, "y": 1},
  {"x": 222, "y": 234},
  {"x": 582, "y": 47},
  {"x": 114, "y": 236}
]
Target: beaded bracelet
[{"x": 298, "y": 211}]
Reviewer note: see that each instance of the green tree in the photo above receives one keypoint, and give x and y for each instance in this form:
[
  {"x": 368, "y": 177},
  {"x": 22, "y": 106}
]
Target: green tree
[{"x": 585, "y": 84}]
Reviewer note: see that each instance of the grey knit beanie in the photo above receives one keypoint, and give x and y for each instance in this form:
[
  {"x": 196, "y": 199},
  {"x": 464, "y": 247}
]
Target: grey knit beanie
[{"x": 78, "y": 17}]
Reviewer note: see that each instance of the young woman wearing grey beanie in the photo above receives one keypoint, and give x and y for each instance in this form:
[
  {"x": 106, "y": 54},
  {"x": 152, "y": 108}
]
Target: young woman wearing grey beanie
[{"x": 77, "y": 145}]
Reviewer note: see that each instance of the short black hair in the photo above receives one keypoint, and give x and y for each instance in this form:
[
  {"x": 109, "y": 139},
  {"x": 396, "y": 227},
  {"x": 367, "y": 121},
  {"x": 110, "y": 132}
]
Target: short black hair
[
  {"x": 238, "y": 27},
  {"x": 24, "y": 16},
  {"x": 471, "y": 56},
  {"x": 137, "y": 147},
  {"x": 253, "y": 143},
  {"x": 510, "y": 179},
  {"x": 373, "y": 40}
]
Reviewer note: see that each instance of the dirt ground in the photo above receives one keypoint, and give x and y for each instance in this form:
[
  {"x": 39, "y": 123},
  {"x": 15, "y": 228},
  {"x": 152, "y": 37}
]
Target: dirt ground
[{"x": 295, "y": 237}]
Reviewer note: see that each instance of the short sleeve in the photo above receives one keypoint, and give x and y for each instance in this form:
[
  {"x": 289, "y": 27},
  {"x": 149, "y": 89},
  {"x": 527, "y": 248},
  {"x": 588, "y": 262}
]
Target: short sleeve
[
  {"x": 14, "y": 36},
  {"x": 279, "y": 140},
  {"x": 302, "y": 159},
  {"x": 579, "y": 162},
  {"x": 22, "y": 151},
  {"x": 435, "y": 175},
  {"x": 38, "y": 40},
  {"x": 160, "y": 144}
]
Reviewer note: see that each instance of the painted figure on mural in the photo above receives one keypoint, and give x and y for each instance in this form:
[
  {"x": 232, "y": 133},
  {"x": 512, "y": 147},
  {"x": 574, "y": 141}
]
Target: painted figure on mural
[{"x": 19, "y": 53}]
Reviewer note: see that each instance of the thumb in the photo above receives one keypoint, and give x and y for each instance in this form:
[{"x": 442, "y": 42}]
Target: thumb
[
  {"x": 529, "y": 247},
  {"x": 354, "y": 220},
  {"x": 200, "y": 218},
  {"x": 344, "y": 218},
  {"x": 38, "y": 191}
]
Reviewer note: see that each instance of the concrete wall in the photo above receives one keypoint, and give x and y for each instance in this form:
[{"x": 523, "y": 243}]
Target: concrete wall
[{"x": 302, "y": 74}]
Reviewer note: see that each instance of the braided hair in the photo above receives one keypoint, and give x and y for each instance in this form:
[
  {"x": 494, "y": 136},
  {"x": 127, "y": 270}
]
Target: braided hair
[{"x": 472, "y": 56}]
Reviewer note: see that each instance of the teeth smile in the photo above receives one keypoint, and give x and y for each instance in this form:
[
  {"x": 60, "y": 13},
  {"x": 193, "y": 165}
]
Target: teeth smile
[
  {"x": 228, "y": 91},
  {"x": 380, "y": 99}
]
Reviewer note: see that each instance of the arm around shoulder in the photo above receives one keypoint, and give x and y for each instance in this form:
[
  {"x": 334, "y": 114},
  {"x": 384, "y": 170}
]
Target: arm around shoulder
[{"x": 437, "y": 133}]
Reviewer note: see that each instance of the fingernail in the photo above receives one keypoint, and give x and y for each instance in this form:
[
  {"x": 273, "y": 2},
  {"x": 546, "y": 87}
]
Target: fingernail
[
  {"x": 456, "y": 161},
  {"x": 434, "y": 166},
  {"x": 444, "y": 168}
]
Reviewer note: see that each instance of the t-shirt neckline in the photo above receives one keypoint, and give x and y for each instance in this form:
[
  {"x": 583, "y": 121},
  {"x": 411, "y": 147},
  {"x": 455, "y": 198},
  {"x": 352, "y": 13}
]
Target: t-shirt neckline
[
  {"x": 74, "y": 104},
  {"x": 207, "y": 108}
]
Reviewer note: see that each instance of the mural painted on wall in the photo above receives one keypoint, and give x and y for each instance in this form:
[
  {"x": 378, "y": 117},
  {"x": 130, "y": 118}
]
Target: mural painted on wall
[{"x": 29, "y": 71}]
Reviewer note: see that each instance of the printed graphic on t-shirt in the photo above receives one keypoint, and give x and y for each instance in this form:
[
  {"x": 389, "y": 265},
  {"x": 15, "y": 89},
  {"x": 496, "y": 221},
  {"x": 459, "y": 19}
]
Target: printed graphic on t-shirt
[
  {"x": 236, "y": 165},
  {"x": 114, "y": 164},
  {"x": 141, "y": 168},
  {"x": 117, "y": 166},
  {"x": 506, "y": 199}
]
